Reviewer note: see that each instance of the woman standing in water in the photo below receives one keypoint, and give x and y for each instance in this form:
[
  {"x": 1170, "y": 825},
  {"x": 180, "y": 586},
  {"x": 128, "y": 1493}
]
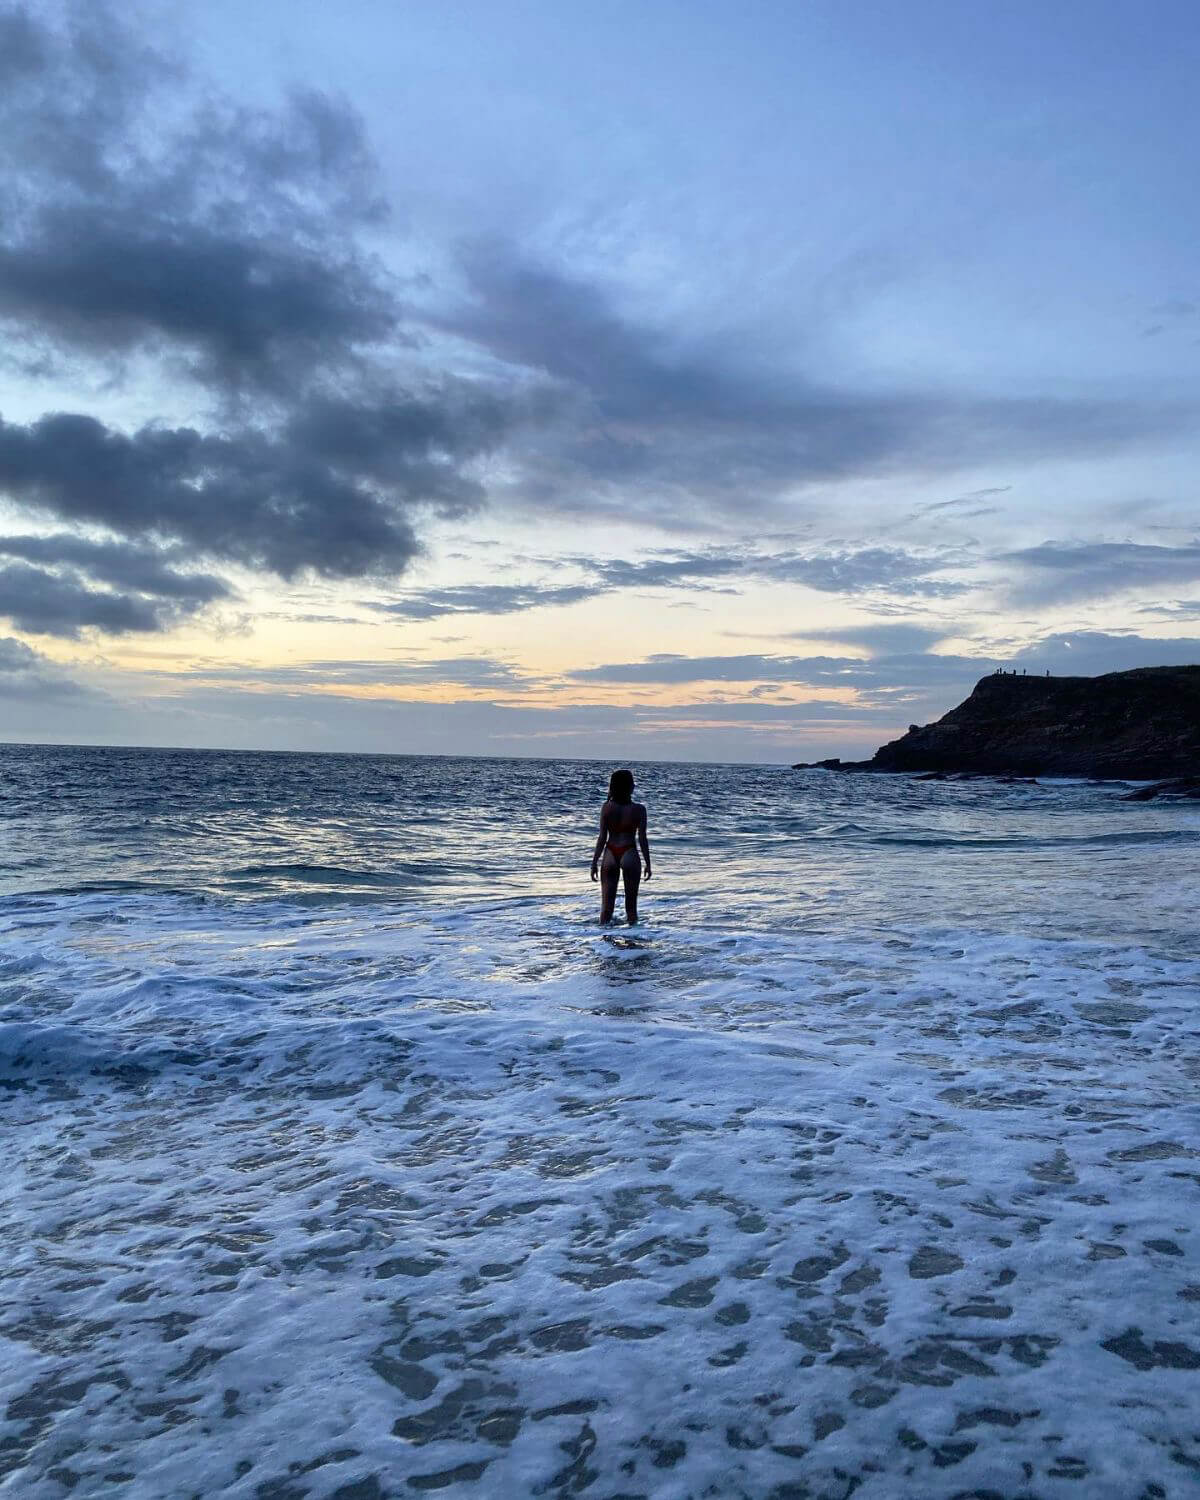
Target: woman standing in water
[{"x": 622, "y": 828}]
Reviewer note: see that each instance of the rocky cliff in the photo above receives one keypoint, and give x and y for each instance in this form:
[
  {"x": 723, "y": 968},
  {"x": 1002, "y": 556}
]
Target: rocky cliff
[{"x": 1139, "y": 725}]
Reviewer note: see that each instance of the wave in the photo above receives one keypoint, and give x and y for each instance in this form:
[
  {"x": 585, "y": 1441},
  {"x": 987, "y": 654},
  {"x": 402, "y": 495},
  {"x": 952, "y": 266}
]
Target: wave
[
  {"x": 1123, "y": 838},
  {"x": 334, "y": 874}
]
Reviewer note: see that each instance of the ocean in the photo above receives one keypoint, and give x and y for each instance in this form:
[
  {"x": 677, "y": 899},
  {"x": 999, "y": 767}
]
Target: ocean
[{"x": 348, "y": 1157}]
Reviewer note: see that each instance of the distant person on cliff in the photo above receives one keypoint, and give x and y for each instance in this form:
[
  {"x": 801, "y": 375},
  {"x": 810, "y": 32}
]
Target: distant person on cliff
[{"x": 622, "y": 828}]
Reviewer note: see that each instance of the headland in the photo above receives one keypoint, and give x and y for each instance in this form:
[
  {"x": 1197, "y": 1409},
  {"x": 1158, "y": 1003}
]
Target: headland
[{"x": 1140, "y": 725}]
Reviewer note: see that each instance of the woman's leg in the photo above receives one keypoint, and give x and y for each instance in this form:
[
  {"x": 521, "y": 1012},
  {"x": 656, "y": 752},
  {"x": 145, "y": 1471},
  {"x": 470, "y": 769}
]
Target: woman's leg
[
  {"x": 610, "y": 873},
  {"x": 631, "y": 869}
]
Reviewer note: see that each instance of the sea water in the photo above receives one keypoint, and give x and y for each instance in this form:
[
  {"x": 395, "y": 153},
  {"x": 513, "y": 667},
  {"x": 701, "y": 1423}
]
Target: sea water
[{"x": 345, "y": 1155}]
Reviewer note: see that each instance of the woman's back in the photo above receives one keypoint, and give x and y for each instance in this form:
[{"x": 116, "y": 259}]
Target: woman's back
[{"x": 623, "y": 817}]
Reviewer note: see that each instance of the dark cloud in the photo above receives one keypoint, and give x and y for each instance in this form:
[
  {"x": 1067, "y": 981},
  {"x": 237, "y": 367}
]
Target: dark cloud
[
  {"x": 66, "y": 96},
  {"x": 667, "y": 426},
  {"x": 56, "y": 597},
  {"x": 27, "y": 674},
  {"x": 849, "y": 571},
  {"x": 669, "y": 570},
  {"x": 1058, "y": 572},
  {"x": 403, "y": 449},
  {"x": 486, "y": 599},
  {"x": 874, "y": 570},
  {"x": 221, "y": 241},
  {"x": 47, "y": 604},
  {"x": 150, "y": 224},
  {"x": 100, "y": 281},
  {"x": 225, "y": 234},
  {"x": 146, "y": 570},
  {"x": 295, "y": 500}
]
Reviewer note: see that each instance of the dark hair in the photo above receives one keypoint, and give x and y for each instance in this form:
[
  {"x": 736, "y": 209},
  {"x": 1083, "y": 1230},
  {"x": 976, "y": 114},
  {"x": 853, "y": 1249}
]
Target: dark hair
[{"x": 620, "y": 786}]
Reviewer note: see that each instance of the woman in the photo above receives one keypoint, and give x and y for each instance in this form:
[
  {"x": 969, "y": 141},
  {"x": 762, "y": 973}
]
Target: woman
[{"x": 622, "y": 828}]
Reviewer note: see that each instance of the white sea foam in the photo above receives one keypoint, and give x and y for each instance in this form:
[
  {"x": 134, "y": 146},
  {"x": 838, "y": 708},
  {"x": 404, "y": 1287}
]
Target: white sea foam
[{"x": 363, "y": 1202}]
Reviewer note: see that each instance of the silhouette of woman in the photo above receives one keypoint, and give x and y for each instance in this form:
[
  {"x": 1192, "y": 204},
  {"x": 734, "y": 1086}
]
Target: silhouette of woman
[{"x": 622, "y": 828}]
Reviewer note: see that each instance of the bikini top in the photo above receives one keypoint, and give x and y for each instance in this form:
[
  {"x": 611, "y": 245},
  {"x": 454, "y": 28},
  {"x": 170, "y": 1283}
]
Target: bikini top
[{"x": 624, "y": 838}]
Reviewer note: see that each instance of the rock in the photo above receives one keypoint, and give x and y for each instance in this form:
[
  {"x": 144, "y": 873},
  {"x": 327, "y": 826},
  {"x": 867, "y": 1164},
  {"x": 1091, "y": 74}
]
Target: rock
[
  {"x": 1142, "y": 725},
  {"x": 1177, "y": 786}
]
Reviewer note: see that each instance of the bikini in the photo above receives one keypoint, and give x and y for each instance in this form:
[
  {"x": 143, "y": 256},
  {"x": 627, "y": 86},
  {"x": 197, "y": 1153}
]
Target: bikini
[{"x": 620, "y": 850}]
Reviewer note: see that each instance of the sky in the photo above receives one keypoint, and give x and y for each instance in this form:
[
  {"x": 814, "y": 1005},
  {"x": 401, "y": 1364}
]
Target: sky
[{"x": 688, "y": 381}]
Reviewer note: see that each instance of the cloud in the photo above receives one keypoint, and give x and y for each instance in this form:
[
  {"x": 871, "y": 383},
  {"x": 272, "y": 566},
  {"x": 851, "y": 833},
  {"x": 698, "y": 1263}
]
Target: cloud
[
  {"x": 1088, "y": 653},
  {"x": 933, "y": 681},
  {"x": 226, "y": 233},
  {"x": 56, "y": 597},
  {"x": 481, "y": 672},
  {"x": 241, "y": 708},
  {"x": 1173, "y": 609},
  {"x": 849, "y": 572},
  {"x": 303, "y": 498},
  {"x": 1174, "y": 308},
  {"x": 203, "y": 715},
  {"x": 974, "y": 496},
  {"x": 221, "y": 243},
  {"x": 883, "y": 639},
  {"x": 485, "y": 599},
  {"x": 669, "y": 426},
  {"x": 670, "y": 667},
  {"x": 966, "y": 507},
  {"x": 672, "y": 569},
  {"x": 106, "y": 281},
  {"x": 1059, "y": 572},
  {"x": 224, "y": 255},
  {"x": 314, "y": 619},
  {"x": 46, "y": 604},
  {"x": 883, "y": 672},
  {"x": 145, "y": 569},
  {"x": 886, "y": 570},
  {"x": 27, "y": 674}
]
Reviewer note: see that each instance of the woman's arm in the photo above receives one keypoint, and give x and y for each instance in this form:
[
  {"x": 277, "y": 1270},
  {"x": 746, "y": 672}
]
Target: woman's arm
[
  {"x": 642, "y": 840},
  {"x": 600, "y": 842}
]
